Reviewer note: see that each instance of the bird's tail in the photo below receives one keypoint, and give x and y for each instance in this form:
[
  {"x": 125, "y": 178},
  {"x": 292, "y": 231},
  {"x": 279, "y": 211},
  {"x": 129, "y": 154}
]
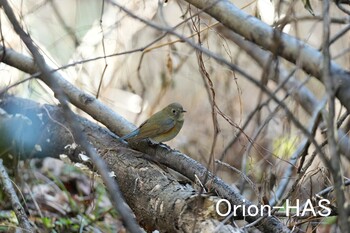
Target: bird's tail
[{"x": 130, "y": 135}]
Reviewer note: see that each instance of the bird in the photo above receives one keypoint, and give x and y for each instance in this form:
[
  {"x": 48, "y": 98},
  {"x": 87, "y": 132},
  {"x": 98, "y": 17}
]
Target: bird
[{"x": 161, "y": 126}]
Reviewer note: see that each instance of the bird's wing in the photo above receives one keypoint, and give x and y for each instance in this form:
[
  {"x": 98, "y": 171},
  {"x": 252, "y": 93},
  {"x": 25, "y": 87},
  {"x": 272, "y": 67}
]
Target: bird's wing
[{"x": 151, "y": 129}]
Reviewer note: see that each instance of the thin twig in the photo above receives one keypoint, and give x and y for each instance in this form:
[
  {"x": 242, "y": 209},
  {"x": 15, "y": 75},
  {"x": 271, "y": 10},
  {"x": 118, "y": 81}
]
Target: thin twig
[
  {"x": 114, "y": 191},
  {"x": 16, "y": 204},
  {"x": 246, "y": 178},
  {"x": 234, "y": 67},
  {"x": 301, "y": 151},
  {"x": 334, "y": 164}
]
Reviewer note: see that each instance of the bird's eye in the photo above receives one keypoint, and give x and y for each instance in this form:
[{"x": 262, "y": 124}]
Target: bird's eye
[{"x": 174, "y": 111}]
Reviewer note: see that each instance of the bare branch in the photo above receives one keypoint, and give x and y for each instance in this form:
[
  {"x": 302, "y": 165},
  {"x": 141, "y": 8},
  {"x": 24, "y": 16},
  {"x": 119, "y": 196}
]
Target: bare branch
[
  {"x": 279, "y": 43},
  {"x": 16, "y": 204},
  {"x": 80, "y": 137},
  {"x": 173, "y": 159},
  {"x": 152, "y": 193},
  {"x": 334, "y": 165}
]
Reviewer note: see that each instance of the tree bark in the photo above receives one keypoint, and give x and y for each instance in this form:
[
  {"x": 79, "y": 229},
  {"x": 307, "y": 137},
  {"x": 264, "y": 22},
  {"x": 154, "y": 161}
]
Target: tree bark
[
  {"x": 172, "y": 159},
  {"x": 158, "y": 200}
]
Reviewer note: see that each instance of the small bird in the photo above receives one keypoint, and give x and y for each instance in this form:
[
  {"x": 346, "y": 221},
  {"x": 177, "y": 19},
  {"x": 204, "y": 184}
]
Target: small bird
[{"x": 161, "y": 126}]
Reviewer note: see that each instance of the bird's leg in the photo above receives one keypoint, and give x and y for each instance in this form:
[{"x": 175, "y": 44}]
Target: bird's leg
[{"x": 152, "y": 143}]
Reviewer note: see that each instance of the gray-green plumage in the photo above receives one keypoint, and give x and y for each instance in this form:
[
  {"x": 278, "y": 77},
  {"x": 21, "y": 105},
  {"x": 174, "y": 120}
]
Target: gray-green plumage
[{"x": 161, "y": 126}]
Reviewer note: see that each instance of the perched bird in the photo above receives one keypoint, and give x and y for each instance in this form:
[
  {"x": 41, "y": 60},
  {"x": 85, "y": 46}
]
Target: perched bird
[{"x": 161, "y": 126}]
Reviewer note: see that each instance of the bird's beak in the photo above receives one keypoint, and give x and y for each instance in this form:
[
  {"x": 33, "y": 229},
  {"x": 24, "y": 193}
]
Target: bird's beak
[{"x": 183, "y": 111}]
